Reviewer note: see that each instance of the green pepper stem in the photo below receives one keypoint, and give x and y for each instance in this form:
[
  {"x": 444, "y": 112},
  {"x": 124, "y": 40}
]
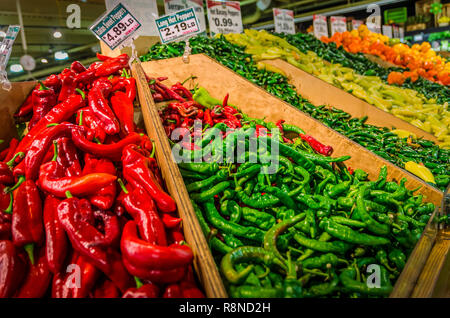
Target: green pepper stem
[
  {"x": 80, "y": 121},
  {"x": 153, "y": 150},
  {"x": 9, "y": 209},
  {"x": 55, "y": 150},
  {"x": 69, "y": 195},
  {"x": 83, "y": 95},
  {"x": 19, "y": 182},
  {"x": 139, "y": 283},
  {"x": 52, "y": 125},
  {"x": 122, "y": 185},
  {"x": 42, "y": 87},
  {"x": 29, "y": 248},
  {"x": 12, "y": 161}
]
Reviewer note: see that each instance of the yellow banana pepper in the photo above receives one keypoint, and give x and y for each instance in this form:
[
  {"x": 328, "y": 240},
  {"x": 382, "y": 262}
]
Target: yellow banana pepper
[{"x": 420, "y": 171}]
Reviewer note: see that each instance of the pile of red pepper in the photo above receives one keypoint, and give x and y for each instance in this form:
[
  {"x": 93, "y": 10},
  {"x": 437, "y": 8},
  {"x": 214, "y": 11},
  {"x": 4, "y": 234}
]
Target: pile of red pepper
[{"x": 84, "y": 212}]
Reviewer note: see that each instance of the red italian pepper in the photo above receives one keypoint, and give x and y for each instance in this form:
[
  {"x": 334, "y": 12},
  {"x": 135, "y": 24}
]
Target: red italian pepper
[
  {"x": 136, "y": 170},
  {"x": 110, "y": 151},
  {"x": 86, "y": 118},
  {"x": 88, "y": 278},
  {"x": 125, "y": 83},
  {"x": 84, "y": 185},
  {"x": 143, "y": 254},
  {"x": 189, "y": 290},
  {"x": 58, "y": 114},
  {"x": 13, "y": 269},
  {"x": 27, "y": 220},
  {"x": 104, "y": 198},
  {"x": 40, "y": 146},
  {"x": 88, "y": 76},
  {"x": 12, "y": 149},
  {"x": 112, "y": 65},
  {"x": 37, "y": 280},
  {"x": 85, "y": 237},
  {"x": 68, "y": 157},
  {"x": 77, "y": 67},
  {"x": 317, "y": 146},
  {"x": 145, "y": 291},
  {"x": 106, "y": 289},
  {"x": 123, "y": 108},
  {"x": 54, "y": 82},
  {"x": 68, "y": 85},
  {"x": 170, "y": 221},
  {"x": 173, "y": 291},
  {"x": 207, "y": 117},
  {"x": 159, "y": 276},
  {"x": 98, "y": 103},
  {"x": 143, "y": 210},
  {"x": 181, "y": 90},
  {"x": 27, "y": 106},
  {"x": 56, "y": 239},
  {"x": 44, "y": 99},
  {"x": 6, "y": 173}
]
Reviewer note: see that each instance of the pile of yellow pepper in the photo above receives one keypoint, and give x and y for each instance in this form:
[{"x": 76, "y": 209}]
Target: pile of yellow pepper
[{"x": 406, "y": 104}]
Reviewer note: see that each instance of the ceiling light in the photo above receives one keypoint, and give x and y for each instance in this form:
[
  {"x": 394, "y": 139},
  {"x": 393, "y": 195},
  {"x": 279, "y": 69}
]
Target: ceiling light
[
  {"x": 16, "y": 68},
  {"x": 57, "y": 34},
  {"x": 61, "y": 55},
  {"x": 44, "y": 61}
]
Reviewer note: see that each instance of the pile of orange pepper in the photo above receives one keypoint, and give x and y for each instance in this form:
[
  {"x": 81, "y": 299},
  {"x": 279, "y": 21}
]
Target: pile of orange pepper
[{"x": 421, "y": 60}]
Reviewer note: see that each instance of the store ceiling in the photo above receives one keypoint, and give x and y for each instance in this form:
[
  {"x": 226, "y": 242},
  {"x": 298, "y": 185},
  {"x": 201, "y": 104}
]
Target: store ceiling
[{"x": 42, "y": 18}]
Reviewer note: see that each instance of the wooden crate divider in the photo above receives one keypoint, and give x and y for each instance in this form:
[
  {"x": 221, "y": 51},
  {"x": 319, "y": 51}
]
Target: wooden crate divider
[
  {"x": 319, "y": 92},
  {"x": 204, "y": 263}
]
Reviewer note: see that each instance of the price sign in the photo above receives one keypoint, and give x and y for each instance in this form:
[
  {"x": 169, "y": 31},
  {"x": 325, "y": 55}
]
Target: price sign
[
  {"x": 338, "y": 24},
  {"x": 320, "y": 26},
  {"x": 284, "y": 21},
  {"x": 401, "y": 33},
  {"x": 172, "y": 6},
  {"x": 115, "y": 26},
  {"x": 6, "y": 45},
  {"x": 356, "y": 24},
  {"x": 177, "y": 25},
  {"x": 224, "y": 17},
  {"x": 395, "y": 32},
  {"x": 387, "y": 30}
]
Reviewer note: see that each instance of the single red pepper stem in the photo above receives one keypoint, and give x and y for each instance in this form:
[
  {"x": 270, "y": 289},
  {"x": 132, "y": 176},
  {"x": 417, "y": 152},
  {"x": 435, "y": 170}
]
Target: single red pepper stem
[
  {"x": 187, "y": 79},
  {"x": 69, "y": 195},
  {"x": 9, "y": 209},
  {"x": 122, "y": 185},
  {"x": 139, "y": 284},
  {"x": 52, "y": 125},
  {"x": 19, "y": 182},
  {"x": 55, "y": 152},
  {"x": 42, "y": 87},
  {"x": 29, "y": 248},
  {"x": 12, "y": 161},
  {"x": 83, "y": 95}
]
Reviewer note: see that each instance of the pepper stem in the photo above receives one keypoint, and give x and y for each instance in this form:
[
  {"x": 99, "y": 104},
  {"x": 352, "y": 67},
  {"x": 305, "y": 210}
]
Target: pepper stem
[
  {"x": 19, "y": 182},
  {"x": 69, "y": 195},
  {"x": 122, "y": 185},
  {"x": 55, "y": 150},
  {"x": 187, "y": 79},
  {"x": 152, "y": 154},
  {"x": 139, "y": 283},
  {"x": 12, "y": 161},
  {"x": 9, "y": 209},
  {"x": 52, "y": 125},
  {"x": 42, "y": 87},
  {"x": 83, "y": 95},
  {"x": 80, "y": 121},
  {"x": 29, "y": 248}
]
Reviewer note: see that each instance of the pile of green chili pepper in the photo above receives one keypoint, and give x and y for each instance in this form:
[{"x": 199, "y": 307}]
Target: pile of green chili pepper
[
  {"x": 310, "y": 228},
  {"x": 379, "y": 140},
  {"x": 364, "y": 66}
]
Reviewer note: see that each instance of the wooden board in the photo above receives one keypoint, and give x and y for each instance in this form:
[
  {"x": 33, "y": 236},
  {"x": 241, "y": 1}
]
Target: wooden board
[
  {"x": 380, "y": 61},
  {"x": 203, "y": 262},
  {"x": 319, "y": 92},
  {"x": 256, "y": 102}
]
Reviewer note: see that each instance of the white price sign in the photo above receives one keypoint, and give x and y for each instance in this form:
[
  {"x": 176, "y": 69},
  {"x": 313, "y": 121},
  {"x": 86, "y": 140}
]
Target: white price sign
[
  {"x": 115, "y": 26},
  {"x": 387, "y": 30},
  {"x": 284, "y": 21},
  {"x": 338, "y": 24},
  {"x": 224, "y": 17},
  {"x": 178, "y": 25},
  {"x": 320, "y": 26},
  {"x": 172, "y": 6},
  {"x": 6, "y": 45},
  {"x": 356, "y": 24}
]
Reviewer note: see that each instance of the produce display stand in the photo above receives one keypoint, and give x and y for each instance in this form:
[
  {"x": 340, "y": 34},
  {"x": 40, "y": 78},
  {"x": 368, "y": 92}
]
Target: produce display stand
[
  {"x": 256, "y": 102},
  {"x": 379, "y": 61},
  {"x": 320, "y": 92}
]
